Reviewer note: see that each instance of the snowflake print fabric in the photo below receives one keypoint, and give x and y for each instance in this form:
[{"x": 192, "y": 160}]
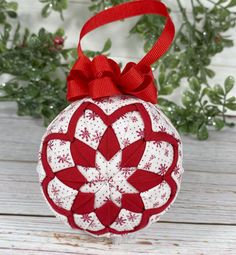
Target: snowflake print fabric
[{"x": 110, "y": 166}]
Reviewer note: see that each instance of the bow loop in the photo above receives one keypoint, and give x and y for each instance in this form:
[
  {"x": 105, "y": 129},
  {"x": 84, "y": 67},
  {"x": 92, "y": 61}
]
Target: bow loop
[
  {"x": 102, "y": 66},
  {"x": 134, "y": 75},
  {"x": 138, "y": 80},
  {"x": 131, "y": 77},
  {"x": 82, "y": 67},
  {"x": 77, "y": 79},
  {"x": 105, "y": 72}
]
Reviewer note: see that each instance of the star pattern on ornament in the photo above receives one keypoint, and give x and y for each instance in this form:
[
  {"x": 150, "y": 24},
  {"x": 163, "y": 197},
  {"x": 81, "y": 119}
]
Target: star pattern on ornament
[
  {"x": 107, "y": 179},
  {"x": 110, "y": 178}
]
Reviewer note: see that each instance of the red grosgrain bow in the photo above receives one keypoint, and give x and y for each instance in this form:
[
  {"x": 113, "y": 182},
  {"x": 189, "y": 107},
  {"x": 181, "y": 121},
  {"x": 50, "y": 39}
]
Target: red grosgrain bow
[{"x": 102, "y": 76}]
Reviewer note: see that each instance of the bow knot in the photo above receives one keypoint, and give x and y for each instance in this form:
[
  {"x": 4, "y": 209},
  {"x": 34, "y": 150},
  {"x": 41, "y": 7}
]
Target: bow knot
[{"x": 102, "y": 77}]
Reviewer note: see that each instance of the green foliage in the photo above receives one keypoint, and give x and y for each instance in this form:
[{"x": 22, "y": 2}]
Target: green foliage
[
  {"x": 53, "y": 5},
  {"x": 104, "y": 51},
  {"x": 7, "y": 9},
  {"x": 38, "y": 63},
  {"x": 202, "y": 107},
  {"x": 196, "y": 42},
  {"x": 98, "y": 5},
  {"x": 34, "y": 62}
]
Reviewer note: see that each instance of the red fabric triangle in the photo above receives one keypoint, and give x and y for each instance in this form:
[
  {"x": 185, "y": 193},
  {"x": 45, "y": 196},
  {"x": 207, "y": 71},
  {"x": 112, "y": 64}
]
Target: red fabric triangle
[
  {"x": 109, "y": 145},
  {"x": 83, "y": 203},
  {"x": 107, "y": 213},
  {"x": 132, "y": 154},
  {"x": 144, "y": 180},
  {"x": 82, "y": 154},
  {"x": 132, "y": 202},
  {"x": 71, "y": 177}
]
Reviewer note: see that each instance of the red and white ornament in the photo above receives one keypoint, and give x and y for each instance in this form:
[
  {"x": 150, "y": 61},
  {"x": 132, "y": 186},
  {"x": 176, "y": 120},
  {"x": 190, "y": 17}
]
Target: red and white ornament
[
  {"x": 110, "y": 166},
  {"x": 111, "y": 162}
]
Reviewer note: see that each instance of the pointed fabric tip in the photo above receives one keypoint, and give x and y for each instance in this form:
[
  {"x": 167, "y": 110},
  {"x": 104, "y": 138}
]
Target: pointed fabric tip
[
  {"x": 83, "y": 203},
  {"x": 82, "y": 154},
  {"x": 132, "y": 154},
  {"x": 71, "y": 177},
  {"x": 109, "y": 145},
  {"x": 107, "y": 213},
  {"x": 132, "y": 202},
  {"x": 144, "y": 180}
]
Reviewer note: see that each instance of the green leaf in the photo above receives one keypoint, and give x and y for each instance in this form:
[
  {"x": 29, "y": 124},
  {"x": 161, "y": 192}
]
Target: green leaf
[
  {"x": 219, "y": 90},
  {"x": 60, "y": 32},
  {"x": 16, "y": 34},
  {"x": 214, "y": 97},
  {"x": 34, "y": 41},
  {"x": 46, "y": 10},
  {"x": 212, "y": 110},
  {"x": 228, "y": 42},
  {"x": 231, "y": 4},
  {"x": 161, "y": 79},
  {"x": 12, "y": 14},
  {"x": 162, "y": 68},
  {"x": 148, "y": 45},
  {"x": 210, "y": 73},
  {"x": 194, "y": 84},
  {"x": 26, "y": 36},
  {"x": 219, "y": 124},
  {"x": 231, "y": 106},
  {"x": 12, "y": 5},
  {"x": 2, "y": 47},
  {"x": 229, "y": 84},
  {"x": 231, "y": 99},
  {"x": 107, "y": 45},
  {"x": 61, "y": 5},
  {"x": 202, "y": 133},
  {"x": 221, "y": 1},
  {"x": 166, "y": 90},
  {"x": 173, "y": 62},
  {"x": 188, "y": 98},
  {"x": 42, "y": 32},
  {"x": 198, "y": 10},
  {"x": 2, "y": 17},
  {"x": 93, "y": 8},
  {"x": 173, "y": 78}
]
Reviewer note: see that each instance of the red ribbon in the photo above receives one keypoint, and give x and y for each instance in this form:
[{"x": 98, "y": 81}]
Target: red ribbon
[{"x": 102, "y": 76}]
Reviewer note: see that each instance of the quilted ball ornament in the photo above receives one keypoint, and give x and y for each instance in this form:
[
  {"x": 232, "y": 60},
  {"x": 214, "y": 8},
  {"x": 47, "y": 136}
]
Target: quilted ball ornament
[{"x": 111, "y": 163}]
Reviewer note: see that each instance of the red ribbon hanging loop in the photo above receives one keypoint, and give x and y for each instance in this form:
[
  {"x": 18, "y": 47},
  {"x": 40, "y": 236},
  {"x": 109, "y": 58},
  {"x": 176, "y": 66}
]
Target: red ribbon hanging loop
[{"x": 102, "y": 76}]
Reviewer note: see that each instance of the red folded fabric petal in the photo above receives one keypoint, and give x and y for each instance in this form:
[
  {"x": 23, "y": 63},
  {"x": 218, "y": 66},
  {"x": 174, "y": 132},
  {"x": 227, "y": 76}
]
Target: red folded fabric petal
[
  {"x": 83, "y": 154},
  {"x": 132, "y": 202},
  {"x": 132, "y": 154},
  {"x": 109, "y": 144},
  {"x": 71, "y": 177},
  {"x": 144, "y": 180},
  {"x": 107, "y": 213},
  {"x": 83, "y": 203}
]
